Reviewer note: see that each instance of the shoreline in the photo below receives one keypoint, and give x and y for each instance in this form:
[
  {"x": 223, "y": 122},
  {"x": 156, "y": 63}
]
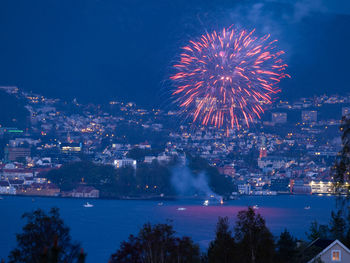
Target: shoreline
[{"x": 165, "y": 198}]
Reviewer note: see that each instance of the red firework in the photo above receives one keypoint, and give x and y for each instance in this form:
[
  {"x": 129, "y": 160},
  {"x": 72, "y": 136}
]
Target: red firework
[{"x": 227, "y": 77}]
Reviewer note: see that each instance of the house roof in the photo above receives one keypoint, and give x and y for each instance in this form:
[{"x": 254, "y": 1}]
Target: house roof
[
  {"x": 327, "y": 247},
  {"x": 84, "y": 189},
  {"x": 321, "y": 243}
]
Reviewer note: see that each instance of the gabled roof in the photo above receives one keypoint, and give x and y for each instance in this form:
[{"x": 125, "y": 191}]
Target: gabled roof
[
  {"x": 321, "y": 243},
  {"x": 328, "y": 247}
]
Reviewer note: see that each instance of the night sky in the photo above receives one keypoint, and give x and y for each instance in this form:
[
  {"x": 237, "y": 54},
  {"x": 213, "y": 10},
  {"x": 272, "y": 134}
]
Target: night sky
[{"x": 97, "y": 51}]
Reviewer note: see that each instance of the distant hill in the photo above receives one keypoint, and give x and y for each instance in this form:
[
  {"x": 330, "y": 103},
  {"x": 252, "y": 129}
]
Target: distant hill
[{"x": 12, "y": 111}]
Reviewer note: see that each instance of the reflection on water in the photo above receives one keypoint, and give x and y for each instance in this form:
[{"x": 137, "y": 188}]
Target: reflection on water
[{"x": 102, "y": 227}]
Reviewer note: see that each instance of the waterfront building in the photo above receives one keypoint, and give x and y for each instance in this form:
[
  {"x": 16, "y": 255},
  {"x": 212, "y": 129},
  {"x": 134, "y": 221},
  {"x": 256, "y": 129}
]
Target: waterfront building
[
  {"x": 45, "y": 189},
  {"x": 299, "y": 187},
  {"x": 84, "y": 192},
  {"x": 321, "y": 187},
  {"x": 6, "y": 188}
]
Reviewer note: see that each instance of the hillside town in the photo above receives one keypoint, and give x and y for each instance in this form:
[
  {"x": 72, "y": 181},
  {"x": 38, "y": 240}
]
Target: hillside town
[{"x": 291, "y": 150}]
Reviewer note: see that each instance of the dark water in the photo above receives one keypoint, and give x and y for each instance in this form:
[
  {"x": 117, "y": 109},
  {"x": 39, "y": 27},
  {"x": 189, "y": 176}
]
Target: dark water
[{"x": 100, "y": 229}]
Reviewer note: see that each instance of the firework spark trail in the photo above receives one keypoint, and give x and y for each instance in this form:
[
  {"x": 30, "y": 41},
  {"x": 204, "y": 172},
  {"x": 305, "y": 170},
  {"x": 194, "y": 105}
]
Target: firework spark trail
[{"x": 227, "y": 77}]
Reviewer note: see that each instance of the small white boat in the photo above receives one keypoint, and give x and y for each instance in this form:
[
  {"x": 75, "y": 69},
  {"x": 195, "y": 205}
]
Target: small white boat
[
  {"x": 88, "y": 205},
  {"x": 181, "y": 209},
  {"x": 206, "y": 203},
  {"x": 307, "y": 207},
  {"x": 255, "y": 207},
  {"x": 160, "y": 203}
]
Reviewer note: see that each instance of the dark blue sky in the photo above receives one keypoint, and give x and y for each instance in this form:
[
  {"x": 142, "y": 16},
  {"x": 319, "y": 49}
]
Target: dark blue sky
[{"x": 102, "y": 50}]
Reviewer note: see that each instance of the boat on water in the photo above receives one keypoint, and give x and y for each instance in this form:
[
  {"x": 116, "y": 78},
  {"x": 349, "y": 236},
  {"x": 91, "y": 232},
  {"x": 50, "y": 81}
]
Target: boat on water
[
  {"x": 255, "y": 207},
  {"x": 307, "y": 207},
  {"x": 160, "y": 203},
  {"x": 88, "y": 205},
  {"x": 181, "y": 208},
  {"x": 213, "y": 201}
]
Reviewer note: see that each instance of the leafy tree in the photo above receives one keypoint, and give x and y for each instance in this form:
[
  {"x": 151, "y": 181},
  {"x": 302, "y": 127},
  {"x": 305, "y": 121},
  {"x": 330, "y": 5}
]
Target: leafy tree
[
  {"x": 154, "y": 178},
  {"x": 286, "y": 248},
  {"x": 255, "y": 241},
  {"x": 45, "y": 238},
  {"x": 70, "y": 175},
  {"x": 157, "y": 244},
  {"x": 124, "y": 184},
  {"x": 139, "y": 154},
  {"x": 337, "y": 225},
  {"x": 317, "y": 231},
  {"x": 223, "y": 248},
  {"x": 148, "y": 179}
]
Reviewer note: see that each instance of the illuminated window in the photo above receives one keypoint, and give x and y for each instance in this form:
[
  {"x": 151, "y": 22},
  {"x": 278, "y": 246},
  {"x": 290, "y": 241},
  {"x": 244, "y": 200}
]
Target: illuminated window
[{"x": 336, "y": 255}]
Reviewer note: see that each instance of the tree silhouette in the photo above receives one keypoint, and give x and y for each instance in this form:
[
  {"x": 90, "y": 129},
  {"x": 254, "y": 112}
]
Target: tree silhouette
[
  {"x": 255, "y": 241},
  {"x": 342, "y": 166},
  {"x": 286, "y": 248},
  {"x": 157, "y": 244},
  {"x": 337, "y": 225},
  {"x": 223, "y": 249},
  {"x": 317, "y": 231},
  {"x": 45, "y": 239}
]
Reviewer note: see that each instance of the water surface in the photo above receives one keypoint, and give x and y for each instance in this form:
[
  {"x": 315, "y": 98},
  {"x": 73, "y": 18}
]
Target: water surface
[{"x": 100, "y": 229}]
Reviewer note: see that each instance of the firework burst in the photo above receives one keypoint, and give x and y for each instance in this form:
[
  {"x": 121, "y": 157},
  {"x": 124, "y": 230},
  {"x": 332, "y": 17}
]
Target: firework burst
[{"x": 226, "y": 79}]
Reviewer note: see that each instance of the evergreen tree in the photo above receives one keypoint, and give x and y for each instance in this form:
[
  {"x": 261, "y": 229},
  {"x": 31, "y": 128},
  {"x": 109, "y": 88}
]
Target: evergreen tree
[
  {"x": 337, "y": 225},
  {"x": 342, "y": 166},
  {"x": 223, "y": 248},
  {"x": 45, "y": 239},
  {"x": 255, "y": 241},
  {"x": 305, "y": 253},
  {"x": 286, "y": 248},
  {"x": 317, "y": 231}
]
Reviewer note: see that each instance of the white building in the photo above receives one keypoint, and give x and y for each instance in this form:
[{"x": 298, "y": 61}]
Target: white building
[
  {"x": 321, "y": 187},
  {"x": 164, "y": 158},
  {"x": 119, "y": 163},
  {"x": 244, "y": 189},
  {"x": 150, "y": 159},
  {"x": 6, "y": 188}
]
